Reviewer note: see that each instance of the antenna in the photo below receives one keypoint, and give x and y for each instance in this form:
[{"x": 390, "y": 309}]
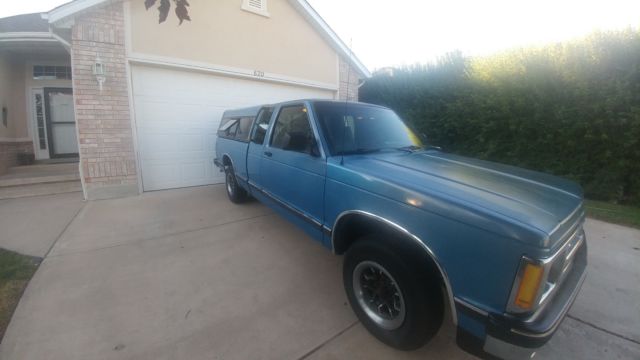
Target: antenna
[{"x": 346, "y": 102}]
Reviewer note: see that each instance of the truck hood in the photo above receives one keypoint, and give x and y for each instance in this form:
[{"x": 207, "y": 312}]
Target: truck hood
[{"x": 446, "y": 183}]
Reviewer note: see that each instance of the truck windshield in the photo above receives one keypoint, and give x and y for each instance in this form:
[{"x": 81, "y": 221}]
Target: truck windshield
[{"x": 358, "y": 128}]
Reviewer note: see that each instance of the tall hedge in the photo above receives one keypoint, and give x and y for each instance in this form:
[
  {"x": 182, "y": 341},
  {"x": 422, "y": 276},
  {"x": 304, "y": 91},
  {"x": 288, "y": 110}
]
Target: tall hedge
[{"x": 571, "y": 109}]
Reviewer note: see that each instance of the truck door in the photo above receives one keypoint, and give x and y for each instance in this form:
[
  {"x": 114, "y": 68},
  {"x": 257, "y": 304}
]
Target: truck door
[
  {"x": 256, "y": 147},
  {"x": 293, "y": 168}
]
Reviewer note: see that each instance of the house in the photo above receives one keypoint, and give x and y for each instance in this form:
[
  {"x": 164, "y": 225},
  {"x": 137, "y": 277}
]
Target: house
[
  {"x": 32, "y": 62},
  {"x": 139, "y": 102}
]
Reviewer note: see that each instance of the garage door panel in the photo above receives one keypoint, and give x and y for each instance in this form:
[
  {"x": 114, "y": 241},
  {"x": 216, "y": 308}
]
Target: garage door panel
[
  {"x": 177, "y": 114},
  {"x": 166, "y": 174},
  {"x": 155, "y": 114}
]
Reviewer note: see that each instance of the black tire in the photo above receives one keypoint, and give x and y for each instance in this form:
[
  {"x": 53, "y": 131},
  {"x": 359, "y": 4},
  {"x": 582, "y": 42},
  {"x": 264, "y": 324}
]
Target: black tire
[
  {"x": 419, "y": 289},
  {"x": 235, "y": 192}
]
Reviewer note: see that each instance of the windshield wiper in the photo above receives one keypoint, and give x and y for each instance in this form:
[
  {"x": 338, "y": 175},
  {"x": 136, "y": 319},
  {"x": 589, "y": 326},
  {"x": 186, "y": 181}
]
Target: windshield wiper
[
  {"x": 414, "y": 148},
  {"x": 410, "y": 148},
  {"x": 359, "y": 151}
]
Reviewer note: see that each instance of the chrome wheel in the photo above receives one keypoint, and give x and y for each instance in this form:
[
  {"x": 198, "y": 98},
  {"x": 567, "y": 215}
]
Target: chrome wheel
[{"x": 379, "y": 295}]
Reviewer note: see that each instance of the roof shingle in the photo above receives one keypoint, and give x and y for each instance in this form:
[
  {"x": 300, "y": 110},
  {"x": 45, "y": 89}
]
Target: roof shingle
[{"x": 24, "y": 23}]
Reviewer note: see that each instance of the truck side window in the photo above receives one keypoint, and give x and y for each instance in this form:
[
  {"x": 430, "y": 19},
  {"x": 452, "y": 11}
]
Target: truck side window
[
  {"x": 292, "y": 130},
  {"x": 244, "y": 128},
  {"x": 261, "y": 126},
  {"x": 228, "y": 127}
]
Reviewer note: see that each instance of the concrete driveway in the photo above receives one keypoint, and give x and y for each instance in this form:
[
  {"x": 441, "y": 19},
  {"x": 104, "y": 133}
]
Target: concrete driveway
[{"x": 185, "y": 274}]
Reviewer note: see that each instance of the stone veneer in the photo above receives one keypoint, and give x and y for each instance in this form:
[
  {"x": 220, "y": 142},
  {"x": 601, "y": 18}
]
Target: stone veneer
[
  {"x": 107, "y": 156},
  {"x": 9, "y": 153}
]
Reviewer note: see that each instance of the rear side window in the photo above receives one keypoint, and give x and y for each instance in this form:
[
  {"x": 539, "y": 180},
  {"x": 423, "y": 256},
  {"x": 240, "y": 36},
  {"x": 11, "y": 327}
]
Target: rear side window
[
  {"x": 236, "y": 128},
  {"x": 262, "y": 125},
  {"x": 292, "y": 130},
  {"x": 228, "y": 127},
  {"x": 244, "y": 128}
]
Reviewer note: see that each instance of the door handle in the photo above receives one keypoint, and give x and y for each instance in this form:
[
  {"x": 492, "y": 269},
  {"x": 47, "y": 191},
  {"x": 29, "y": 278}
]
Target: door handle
[{"x": 268, "y": 153}]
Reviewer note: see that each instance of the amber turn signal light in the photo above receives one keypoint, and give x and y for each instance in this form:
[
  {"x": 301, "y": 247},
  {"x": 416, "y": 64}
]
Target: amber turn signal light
[{"x": 529, "y": 285}]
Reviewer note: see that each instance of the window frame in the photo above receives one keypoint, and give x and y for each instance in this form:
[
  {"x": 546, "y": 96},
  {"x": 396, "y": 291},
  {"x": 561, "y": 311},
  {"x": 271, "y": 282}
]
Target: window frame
[
  {"x": 256, "y": 124},
  {"x": 236, "y": 123},
  {"x": 312, "y": 126},
  {"x": 227, "y": 136},
  {"x": 51, "y": 72},
  {"x": 235, "y": 136}
]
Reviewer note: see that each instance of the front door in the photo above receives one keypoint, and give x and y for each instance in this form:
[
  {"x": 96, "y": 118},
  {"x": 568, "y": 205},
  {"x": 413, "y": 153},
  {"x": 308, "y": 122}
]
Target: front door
[
  {"x": 256, "y": 147},
  {"x": 293, "y": 171},
  {"x": 61, "y": 123}
]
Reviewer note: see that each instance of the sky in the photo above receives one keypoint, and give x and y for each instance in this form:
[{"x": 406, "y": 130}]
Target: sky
[{"x": 404, "y": 32}]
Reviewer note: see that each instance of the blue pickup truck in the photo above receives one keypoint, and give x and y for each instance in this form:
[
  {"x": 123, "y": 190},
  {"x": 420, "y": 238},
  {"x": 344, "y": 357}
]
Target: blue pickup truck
[{"x": 422, "y": 232}]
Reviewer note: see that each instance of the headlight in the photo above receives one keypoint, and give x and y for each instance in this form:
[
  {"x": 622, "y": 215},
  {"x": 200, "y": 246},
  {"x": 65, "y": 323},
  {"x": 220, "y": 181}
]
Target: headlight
[{"x": 537, "y": 280}]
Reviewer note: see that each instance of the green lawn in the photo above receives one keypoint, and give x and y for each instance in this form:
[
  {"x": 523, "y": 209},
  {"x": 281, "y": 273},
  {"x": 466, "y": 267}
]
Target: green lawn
[
  {"x": 619, "y": 214},
  {"x": 15, "y": 272}
]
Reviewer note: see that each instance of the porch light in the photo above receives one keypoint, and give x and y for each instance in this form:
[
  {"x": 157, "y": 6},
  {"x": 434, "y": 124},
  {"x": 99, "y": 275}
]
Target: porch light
[{"x": 99, "y": 70}]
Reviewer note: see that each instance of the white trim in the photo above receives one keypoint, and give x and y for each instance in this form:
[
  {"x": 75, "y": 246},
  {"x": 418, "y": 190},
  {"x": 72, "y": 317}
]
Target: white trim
[
  {"x": 12, "y": 140},
  {"x": 71, "y": 8},
  {"x": 145, "y": 59},
  {"x": 27, "y": 37},
  {"x": 40, "y": 154},
  {"x": 321, "y": 26},
  {"x": 302, "y": 6},
  {"x": 132, "y": 110}
]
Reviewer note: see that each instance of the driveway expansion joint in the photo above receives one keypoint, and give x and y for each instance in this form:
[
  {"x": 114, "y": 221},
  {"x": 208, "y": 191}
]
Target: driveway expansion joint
[
  {"x": 620, "y": 336},
  {"x": 46, "y": 255},
  {"x": 322, "y": 344},
  {"x": 83, "y": 251}
]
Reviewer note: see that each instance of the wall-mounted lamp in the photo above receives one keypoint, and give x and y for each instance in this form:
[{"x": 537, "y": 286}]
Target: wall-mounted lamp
[{"x": 100, "y": 71}]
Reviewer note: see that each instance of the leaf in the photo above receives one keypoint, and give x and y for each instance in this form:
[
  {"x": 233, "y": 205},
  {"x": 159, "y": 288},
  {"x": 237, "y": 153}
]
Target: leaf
[
  {"x": 181, "y": 10},
  {"x": 163, "y": 9},
  {"x": 149, "y": 3}
]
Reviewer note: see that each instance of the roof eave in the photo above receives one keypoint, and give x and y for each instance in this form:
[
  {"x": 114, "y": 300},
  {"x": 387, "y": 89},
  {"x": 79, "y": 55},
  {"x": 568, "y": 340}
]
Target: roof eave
[{"x": 64, "y": 11}]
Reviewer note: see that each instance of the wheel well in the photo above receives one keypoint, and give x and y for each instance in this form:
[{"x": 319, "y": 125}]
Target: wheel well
[
  {"x": 226, "y": 160},
  {"x": 352, "y": 227}
]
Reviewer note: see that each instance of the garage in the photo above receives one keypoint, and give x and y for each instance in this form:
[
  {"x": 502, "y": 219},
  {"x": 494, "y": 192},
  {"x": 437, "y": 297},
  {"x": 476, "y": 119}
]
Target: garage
[{"x": 177, "y": 114}]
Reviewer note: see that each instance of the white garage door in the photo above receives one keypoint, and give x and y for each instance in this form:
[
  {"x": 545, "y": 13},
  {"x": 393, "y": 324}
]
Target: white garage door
[{"x": 177, "y": 115}]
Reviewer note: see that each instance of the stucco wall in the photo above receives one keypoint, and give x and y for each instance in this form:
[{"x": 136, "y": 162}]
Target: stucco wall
[
  {"x": 12, "y": 96},
  {"x": 221, "y": 33}
]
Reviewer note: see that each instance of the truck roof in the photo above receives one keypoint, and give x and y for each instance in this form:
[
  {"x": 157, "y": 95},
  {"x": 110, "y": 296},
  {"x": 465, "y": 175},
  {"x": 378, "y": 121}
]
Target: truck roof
[
  {"x": 243, "y": 112},
  {"x": 253, "y": 110}
]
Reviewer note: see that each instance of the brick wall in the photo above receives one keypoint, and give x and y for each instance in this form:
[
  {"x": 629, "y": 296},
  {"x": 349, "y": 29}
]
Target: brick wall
[
  {"x": 349, "y": 80},
  {"x": 105, "y": 137},
  {"x": 9, "y": 153}
]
